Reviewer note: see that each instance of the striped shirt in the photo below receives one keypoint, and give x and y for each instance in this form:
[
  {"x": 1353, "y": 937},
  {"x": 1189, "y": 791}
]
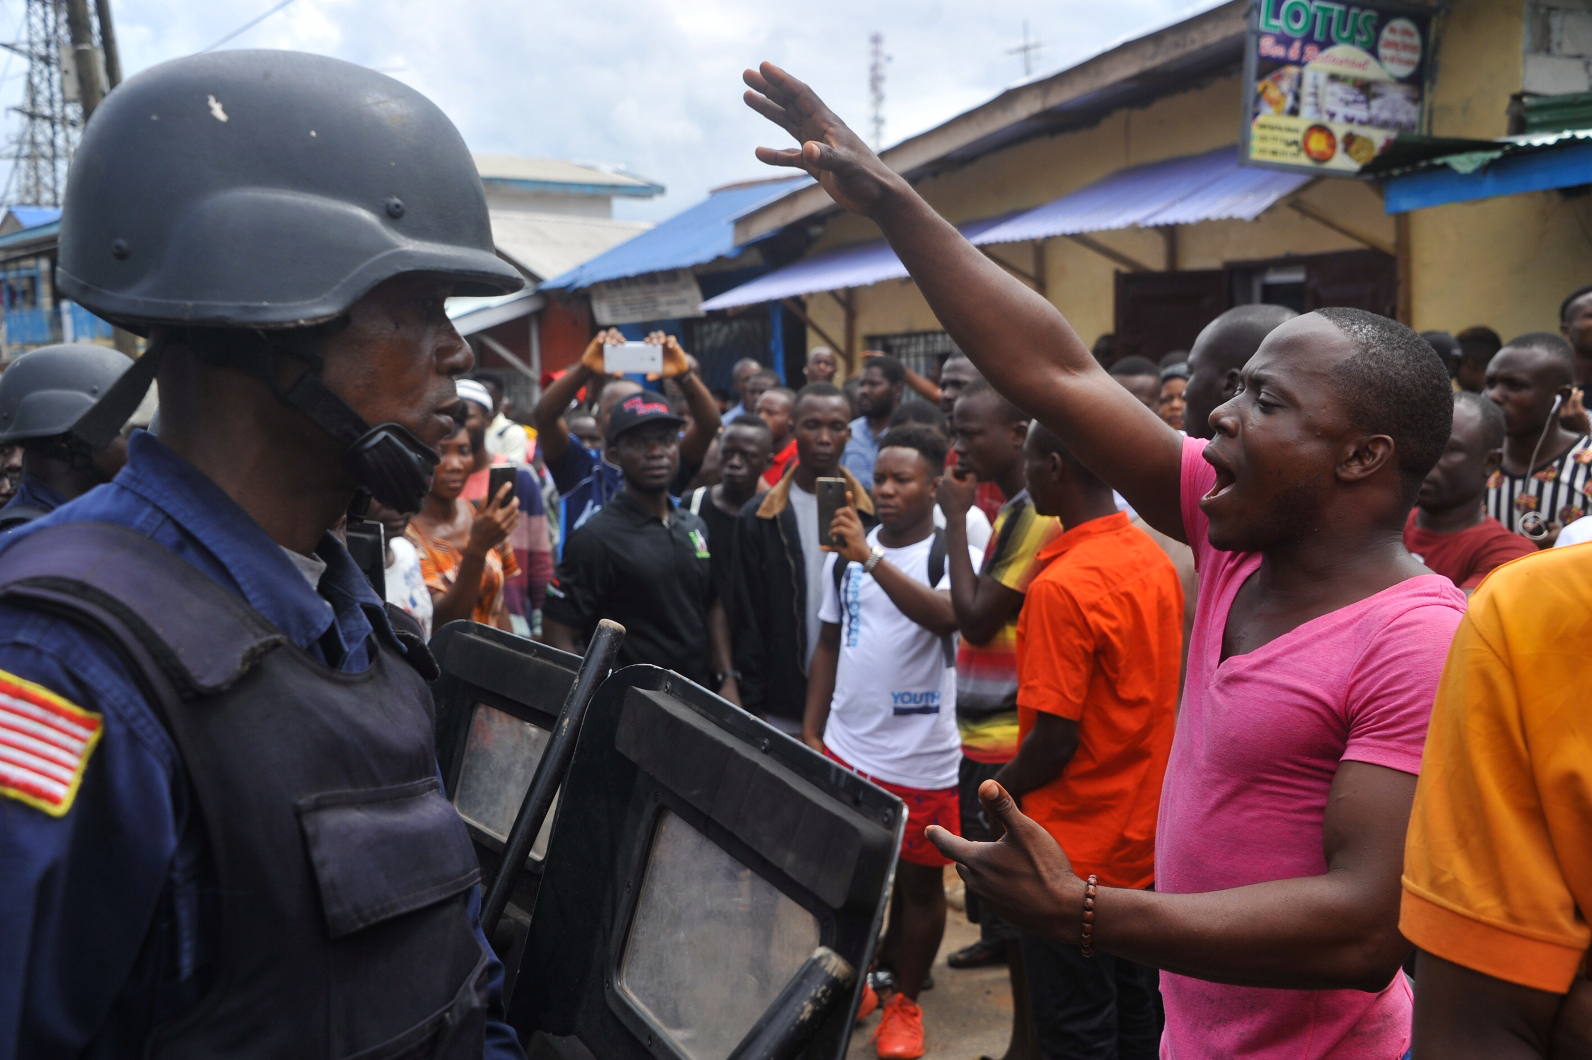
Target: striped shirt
[
  {"x": 986, "y": 674},
  {"x": 1561, "y": 490}
]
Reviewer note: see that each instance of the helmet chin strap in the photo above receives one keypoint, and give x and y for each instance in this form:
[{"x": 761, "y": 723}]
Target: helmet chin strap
[{"x": 386, "y": 461}]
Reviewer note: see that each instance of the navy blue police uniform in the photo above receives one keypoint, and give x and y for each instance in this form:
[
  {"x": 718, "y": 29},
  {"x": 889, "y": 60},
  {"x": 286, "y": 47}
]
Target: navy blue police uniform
[{"x": 108, "y": 903}]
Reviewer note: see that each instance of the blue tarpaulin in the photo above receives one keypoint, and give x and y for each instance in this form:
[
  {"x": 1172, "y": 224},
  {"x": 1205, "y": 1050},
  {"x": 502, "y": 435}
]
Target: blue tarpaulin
[
  {"x": 703, "y": 233},
  {"x": 1205, "y": 187}
]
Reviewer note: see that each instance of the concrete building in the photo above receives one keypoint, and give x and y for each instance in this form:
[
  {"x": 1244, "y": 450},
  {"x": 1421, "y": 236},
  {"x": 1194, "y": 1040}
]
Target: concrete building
[{"x": 1114, "y": 188}]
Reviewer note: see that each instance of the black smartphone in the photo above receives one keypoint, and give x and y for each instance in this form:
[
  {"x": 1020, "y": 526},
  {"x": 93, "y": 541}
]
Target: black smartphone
[
  {"x": 495, "y": 481},
  {"x": 366, "y": 542},
  {"x": 831, "y": 498}
]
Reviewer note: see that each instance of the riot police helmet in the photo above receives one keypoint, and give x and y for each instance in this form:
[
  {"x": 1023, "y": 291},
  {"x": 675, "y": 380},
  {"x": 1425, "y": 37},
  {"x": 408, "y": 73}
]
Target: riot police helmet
[
  {"x": 45, "y": 392},
  {"x": 241, "y": 202}
]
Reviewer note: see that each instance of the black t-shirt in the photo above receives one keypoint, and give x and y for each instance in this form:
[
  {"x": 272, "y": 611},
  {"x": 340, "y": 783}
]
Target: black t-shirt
[
  {"x": 655, "y": 580},
  {"x": 721, "y": 536}
]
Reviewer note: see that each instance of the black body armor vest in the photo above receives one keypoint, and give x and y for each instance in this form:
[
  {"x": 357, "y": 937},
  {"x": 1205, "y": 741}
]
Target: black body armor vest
[{"x": 343, "y": 870}]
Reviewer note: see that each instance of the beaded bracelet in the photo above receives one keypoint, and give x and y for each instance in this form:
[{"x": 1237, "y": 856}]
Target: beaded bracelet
[{"x": 1086, "y": 938}]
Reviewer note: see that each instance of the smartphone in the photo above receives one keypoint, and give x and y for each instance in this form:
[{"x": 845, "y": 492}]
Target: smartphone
[
  {"x": 831, "y": 498},
  {"x": 366, "y": 542},
  {"x": 494, "y": 482},
  {"x": 630, "y": 358}
]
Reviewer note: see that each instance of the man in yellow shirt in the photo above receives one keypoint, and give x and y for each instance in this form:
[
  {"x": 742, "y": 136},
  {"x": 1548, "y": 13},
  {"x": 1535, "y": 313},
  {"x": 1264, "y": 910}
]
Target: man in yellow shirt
[{"x": 1498, "y": 859}]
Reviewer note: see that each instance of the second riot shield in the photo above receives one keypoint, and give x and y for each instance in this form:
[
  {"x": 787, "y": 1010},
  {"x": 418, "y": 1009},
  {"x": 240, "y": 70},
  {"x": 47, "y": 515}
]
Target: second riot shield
[
  {"x": 498, "y": 699},
  {"x": 713, "y": 888}
]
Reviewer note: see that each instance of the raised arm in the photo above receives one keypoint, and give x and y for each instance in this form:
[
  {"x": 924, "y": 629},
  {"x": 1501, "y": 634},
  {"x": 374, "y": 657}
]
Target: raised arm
[
  {"x": 551, "y": 434},
  {"x": 988, "y": 313}
]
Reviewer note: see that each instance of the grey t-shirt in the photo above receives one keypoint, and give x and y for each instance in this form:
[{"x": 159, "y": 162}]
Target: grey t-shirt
[{"x": 805, "y": 506}]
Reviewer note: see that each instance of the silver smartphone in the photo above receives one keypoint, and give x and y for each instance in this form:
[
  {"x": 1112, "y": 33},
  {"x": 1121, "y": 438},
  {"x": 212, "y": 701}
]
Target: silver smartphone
[{"x": 631, "y": 358}]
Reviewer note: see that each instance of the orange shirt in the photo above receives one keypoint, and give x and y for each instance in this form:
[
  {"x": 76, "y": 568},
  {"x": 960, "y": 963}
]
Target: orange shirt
[
  {"x": 1100, "y": 642},
  {"x": 1498, "y": 857},
  {"x": 439, "y": 566}
]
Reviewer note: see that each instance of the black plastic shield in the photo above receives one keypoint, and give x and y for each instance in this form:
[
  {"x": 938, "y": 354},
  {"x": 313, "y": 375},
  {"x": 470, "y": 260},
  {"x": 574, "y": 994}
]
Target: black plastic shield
[{"x": 698, "y": 859}]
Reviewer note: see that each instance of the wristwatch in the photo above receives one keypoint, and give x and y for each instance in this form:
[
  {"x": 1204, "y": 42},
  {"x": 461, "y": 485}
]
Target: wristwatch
[
  {"x": 874, "y": 556},
  {"x": 724, "y": 675}
]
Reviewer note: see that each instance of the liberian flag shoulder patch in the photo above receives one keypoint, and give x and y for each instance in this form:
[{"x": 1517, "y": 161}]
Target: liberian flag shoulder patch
[{"x": 45, "y": 742}]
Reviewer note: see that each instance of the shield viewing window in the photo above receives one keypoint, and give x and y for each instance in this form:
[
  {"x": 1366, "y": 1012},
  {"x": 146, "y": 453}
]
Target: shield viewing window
[
  {"x": 711, "y": 943},
  {"x": 501, "y": 753}
]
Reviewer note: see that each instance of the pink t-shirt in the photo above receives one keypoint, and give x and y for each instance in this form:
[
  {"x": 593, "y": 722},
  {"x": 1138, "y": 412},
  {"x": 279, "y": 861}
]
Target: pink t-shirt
[{"x": 1258, "y": 741}]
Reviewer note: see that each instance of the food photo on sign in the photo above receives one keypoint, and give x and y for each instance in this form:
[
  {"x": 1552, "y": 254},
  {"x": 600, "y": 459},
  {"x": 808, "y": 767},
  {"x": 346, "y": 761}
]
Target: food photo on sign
[{"x": 1333, "y": 84}]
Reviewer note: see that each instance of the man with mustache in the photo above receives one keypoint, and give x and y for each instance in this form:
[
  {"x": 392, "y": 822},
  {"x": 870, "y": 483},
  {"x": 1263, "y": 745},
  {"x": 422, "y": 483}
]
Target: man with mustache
[{"x": 1315, "y": 656}]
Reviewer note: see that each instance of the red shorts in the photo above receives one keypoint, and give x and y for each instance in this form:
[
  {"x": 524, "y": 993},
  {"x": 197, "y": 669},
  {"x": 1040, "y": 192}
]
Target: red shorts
[{"x": 941, "y": 807}]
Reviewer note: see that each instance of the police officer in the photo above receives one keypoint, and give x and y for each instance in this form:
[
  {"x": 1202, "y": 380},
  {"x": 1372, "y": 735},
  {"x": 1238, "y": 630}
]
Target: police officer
[
  {"x": 221, "y": 826},
  {"x": 43, "y": 395}
]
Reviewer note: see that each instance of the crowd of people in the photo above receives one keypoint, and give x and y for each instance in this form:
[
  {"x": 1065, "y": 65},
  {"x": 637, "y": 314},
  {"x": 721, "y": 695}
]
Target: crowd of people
[{"x": 997, "y": 600}]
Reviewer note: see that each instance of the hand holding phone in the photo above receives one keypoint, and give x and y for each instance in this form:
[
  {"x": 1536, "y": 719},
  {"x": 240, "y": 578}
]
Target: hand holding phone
[
  {"x": 629, "y": 358},
  {"x": 497, "y": 478},
  {"x": 831, "y": 498}
]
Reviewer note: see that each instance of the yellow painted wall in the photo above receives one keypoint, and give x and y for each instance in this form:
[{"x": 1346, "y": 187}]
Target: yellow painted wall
[{"x": 1503, "y": 262}]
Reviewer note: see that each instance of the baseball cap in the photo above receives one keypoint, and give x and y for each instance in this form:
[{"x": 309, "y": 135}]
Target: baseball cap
[
  {"x": 470, "y": 390},
  {"x": 647, "y": 406}
]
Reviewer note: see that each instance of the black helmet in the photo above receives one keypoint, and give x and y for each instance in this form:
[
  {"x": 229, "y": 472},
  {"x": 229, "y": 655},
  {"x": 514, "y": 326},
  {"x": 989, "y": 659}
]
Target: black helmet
[
  {"x": 240, "y": 193},
  {"x": 46, "y": 392},
  {"x": 267, "y": 189}
]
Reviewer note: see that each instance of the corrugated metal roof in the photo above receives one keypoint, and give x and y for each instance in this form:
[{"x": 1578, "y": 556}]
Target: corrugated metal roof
[
  {"x": 1186, "y": 190},
  {"x": 1177, "y": 191},
  {"x": 32, "y": 216},
  {"x": 553, "y": 172},
  {"x": 695, "y": 236},
  {"x": 546, "y": 244},
  {"x": 855, "y": 266}
]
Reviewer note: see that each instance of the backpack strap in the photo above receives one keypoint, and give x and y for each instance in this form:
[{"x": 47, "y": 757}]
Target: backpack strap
[
  {"x": 937, "y": 557},
  {"x": 696, "y": 499}
]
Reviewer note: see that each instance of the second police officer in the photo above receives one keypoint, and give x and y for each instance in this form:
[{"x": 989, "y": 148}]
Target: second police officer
[
  {"x": 43, "y": 395},
  {"x": 221, "y": 825}
]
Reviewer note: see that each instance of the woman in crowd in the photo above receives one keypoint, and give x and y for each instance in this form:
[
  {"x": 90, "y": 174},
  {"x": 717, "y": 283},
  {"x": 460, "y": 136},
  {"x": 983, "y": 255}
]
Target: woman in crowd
[
  {"x": 464, "y": 553},
  {"x": 1174, "y": 380}
]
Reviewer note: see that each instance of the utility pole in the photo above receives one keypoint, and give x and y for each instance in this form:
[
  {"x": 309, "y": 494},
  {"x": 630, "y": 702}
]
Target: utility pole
[
  {"x": 1028, "y": 49},
  {"x": 876, "y": 86},
  {"x": 97, "y": 73}
]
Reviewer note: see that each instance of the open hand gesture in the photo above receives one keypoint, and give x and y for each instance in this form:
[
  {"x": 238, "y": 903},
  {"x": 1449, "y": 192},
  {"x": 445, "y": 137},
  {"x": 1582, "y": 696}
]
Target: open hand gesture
[
  {"x": 1024, "y": 876},
  {"x": 834, "y": 155}
]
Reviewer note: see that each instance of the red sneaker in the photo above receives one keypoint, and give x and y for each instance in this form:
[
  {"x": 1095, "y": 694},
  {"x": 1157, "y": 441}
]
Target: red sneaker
[
  {"x": 870, "y": 1001},
  {"x": 900, "y": 1033}
]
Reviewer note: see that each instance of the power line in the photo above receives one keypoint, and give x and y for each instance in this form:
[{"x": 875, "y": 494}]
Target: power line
[{"x": 246, "y": 27}]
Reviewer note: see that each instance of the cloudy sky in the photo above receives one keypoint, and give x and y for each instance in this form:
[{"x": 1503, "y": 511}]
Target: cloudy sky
[{"x": 647, "y": 85}]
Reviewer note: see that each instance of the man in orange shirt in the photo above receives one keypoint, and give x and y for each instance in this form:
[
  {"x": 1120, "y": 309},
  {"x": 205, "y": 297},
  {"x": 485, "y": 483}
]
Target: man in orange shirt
[
  {"x": 1099, "y": 650},
  {"x": 1498, "y": 858}
]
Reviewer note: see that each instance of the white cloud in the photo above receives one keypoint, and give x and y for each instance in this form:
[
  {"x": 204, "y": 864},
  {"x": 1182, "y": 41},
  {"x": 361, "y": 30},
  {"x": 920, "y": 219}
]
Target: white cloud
[{"x": 650, "y": 85}]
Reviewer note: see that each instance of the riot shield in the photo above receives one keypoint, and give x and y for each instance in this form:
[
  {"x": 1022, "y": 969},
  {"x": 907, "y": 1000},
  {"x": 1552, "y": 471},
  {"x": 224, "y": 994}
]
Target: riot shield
[
  {"x": 498, "y": 700},
  {"x": 710, "y": 885}
]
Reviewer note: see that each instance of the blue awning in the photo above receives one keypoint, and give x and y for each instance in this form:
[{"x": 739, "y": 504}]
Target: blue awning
[
  {"x": 1178, "y": 191},
  {"x": 1540, "y": 162},
  {"x": 1186, "y": 190},
  {"x": 855, "y": 266},
  {"x": 703, "y": 233}
]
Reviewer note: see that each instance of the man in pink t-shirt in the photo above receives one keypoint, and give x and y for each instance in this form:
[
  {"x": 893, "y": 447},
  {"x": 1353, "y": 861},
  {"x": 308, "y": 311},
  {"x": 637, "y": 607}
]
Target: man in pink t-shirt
[{"x": 1316, "y": 651}]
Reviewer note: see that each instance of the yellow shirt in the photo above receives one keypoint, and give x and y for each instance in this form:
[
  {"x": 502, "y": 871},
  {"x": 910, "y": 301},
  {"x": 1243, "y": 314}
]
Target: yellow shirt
[{"x": 1498, "y": 859}]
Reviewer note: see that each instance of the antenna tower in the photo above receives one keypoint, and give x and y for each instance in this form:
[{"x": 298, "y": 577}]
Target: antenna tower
[
  {"x": 52, "y": 102},
  {"x": 1028, "y": 49},
  {"x": 876, "y": 86}
]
